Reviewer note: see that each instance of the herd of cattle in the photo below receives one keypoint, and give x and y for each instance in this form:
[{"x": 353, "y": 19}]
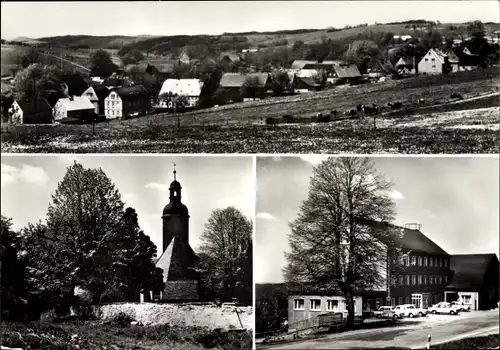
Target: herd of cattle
[{"x": 352, "y": 113}]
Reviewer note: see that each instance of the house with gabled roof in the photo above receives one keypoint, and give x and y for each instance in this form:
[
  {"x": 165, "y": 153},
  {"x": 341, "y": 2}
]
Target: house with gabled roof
[
  {"x": 233, "y": 82},
  {"x": 405, "y": 66},
  {"x": 30, "y": 112},
  {"x": 97, "y": 95},
  {"x": 434, "y": 62},
  {"x": 127, "y": 101},
  {"x": 475, "y": 281},
  {"x": 190, "y": 88},
  {"x": 73, "y": 109}
]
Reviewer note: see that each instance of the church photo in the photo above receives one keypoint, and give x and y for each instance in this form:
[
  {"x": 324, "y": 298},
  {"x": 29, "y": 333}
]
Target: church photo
[{"x": 153, "y": 240}]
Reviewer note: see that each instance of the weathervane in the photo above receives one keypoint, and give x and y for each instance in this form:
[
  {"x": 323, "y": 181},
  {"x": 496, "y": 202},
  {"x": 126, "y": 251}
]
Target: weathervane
[{"x": 175, "y": 172}]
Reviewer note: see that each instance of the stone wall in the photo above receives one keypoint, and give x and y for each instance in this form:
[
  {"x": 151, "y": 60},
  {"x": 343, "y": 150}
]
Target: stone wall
[{"x": 181, "y": 290}]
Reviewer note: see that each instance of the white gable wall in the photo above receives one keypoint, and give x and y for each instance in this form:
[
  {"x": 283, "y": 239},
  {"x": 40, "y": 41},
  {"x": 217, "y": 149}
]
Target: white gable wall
[
  {"x": 430, "y": 64},
  {"x": 15, "y": 114},
  {"x": 59, "y": 111},
  {"x": 92, "y": 96}
]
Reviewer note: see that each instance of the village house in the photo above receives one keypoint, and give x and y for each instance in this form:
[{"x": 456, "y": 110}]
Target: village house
[
  {"x": 97, "y": 95},
  {"x": 416, "y": 271},
  {"x": 233, "y": 82},
  {"x": 434, "y": 62},
  {"x": 30, "y": 112},
  {"x": 250, "y": 50},
  {"x": 475, "y": 280},
  {"x": 73, "y": 109},
  {"x": 344, "y": 73},
  {"x": 191, "y": 88},
  {"x": 405, "y": 66},
  {"x": 184, "y": 58},
  {"x": 127, "y": 101},
  {"x": 305, "y": 84}
]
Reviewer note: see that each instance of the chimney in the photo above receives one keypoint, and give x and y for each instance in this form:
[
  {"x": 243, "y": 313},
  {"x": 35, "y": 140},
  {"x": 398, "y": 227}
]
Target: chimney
[
  {"x": 413, "y": 226},
  {"x": 71, "y": 97}
]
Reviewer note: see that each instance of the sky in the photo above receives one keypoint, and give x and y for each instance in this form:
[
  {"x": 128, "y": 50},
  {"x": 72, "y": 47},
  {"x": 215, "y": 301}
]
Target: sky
[
  {"x": 208, "y": 183},
  {"x": 42, "y": 19},
  {"x": 455, "y": 199}
]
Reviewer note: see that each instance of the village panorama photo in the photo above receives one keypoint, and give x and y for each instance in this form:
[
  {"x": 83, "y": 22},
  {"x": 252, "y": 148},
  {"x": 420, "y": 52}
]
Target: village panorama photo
[
  {"x": 382, "y": 252},
  {"x": 358, "y": 77},
  {"x": 127, "y": 252}
]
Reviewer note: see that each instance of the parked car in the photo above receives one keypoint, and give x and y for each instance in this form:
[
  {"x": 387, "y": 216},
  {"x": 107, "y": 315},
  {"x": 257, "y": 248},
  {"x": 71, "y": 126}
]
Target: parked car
[
  {"x": 408, "y": 310},
  {"x": 384, "y": 312},
  {"x": 463, "y": 306},
  {"x": 444, "y": 308}
]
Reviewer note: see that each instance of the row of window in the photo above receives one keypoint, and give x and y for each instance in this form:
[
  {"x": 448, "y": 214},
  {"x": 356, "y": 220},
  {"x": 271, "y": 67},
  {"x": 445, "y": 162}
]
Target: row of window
[
  {"x": 315, "y": 304},
  {"x": 414, "y": 260},
  {"x": 113, "y": 113},
  {"x": 404, "y": 280}
]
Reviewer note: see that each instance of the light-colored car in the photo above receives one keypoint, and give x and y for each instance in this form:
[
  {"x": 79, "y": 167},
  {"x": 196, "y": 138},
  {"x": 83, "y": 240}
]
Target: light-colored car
[
  {"x": 462, "y": 306},
  {"x": 384, "y": 312},
  {"x": 408, "y": 310},
  {"x": 444, "y": 308}
]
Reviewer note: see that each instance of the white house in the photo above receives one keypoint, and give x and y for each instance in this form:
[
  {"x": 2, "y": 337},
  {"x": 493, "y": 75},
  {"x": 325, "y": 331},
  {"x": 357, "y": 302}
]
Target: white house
[
  {"x": 96, "y": 95},
  {"x": 74, "y": 107},
  {"x": 191, "y": 88},
  {"x": 126, "y": 101},
  {"x": 434, "y": 62}
]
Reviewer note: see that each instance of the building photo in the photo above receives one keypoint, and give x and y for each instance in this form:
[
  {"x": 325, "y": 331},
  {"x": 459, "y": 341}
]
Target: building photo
[{"x": 414, "y": 236}]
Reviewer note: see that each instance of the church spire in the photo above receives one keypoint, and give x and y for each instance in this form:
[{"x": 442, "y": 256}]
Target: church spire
[{"x": 175, "y": 188}]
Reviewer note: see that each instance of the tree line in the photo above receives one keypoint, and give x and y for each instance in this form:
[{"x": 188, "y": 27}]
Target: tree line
[{"x": 90, "y": 241}]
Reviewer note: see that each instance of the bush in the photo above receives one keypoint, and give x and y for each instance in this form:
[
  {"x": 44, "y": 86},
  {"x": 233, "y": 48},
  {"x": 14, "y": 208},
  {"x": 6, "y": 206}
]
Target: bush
[{"x": 121, "y": 319}]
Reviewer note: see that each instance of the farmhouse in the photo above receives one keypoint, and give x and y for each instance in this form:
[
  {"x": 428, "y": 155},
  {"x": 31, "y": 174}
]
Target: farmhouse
[
  {"x": 434, "y": 62},
  {"x": 97, "y": 95},
  {"x": 346, "y": 73},
  {"x": 233, "y": 82},
  {"x": 191, "y": 88},
  {"x": 405, "y": 66},
  {"x": 73, "y": 109},
  {"x": 126, "y": 101},
  {"x": 184, "y": 58},
  {"x": 178, "y": 258},
  {"x": 305, "y": 84},
  {"x": 30, "y": 112},
  {"x": 475, "y": 280}
]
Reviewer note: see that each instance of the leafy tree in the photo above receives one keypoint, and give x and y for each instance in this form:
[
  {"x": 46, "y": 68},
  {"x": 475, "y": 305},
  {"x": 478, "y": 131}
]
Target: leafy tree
[
  {"x": 210, "y": 87},
  {"x": 31, "y": 57},
  {"x": 331, "y": 246},
  {"x": 251, "y": 88},
  {"x": 179, "y": 102},
  {"x": 101, "y": 64},
  {"x": 13, "y": 296},
  {"x": 37, "y": 81},
  {"x": 132, "y": 56},
  {"x": 364, "y": 53},
  {"x": 226, "y": 254},
  {"x": 281, "y": 83}
]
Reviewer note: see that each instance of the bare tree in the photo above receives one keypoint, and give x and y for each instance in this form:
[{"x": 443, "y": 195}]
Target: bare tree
[{"x": 332, "y": 246}]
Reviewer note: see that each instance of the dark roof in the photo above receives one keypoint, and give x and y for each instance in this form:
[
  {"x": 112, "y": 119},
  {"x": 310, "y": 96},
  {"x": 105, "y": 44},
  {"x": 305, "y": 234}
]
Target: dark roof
[
  {"x": 410, "y": 239},
  {"x": 229, "y": 80},
  {"x": 101, "y": 91},
  {"x": 175, "y": 208},
  {"x": 309, "y": 81},
  {"x": 470, "y": 270},
  {"x": 347, "y": 71},
  {"x": 28, "y": 107},
  {"x": 132, "y": 92}
]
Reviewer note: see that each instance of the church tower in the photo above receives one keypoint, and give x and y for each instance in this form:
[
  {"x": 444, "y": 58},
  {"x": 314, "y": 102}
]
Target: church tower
[
  {"x": 175, "y": 216},
  {"x": 178, "y": 258}
]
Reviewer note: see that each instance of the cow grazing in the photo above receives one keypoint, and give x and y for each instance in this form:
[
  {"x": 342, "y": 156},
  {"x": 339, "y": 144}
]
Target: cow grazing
[
  {"x": 457, "y": 95},
  {"x": 333, "y": 112},
  {"x": 421, "y": 100},
  {"x": 351, "y": 112},
  {"x": 271, "y": 121},
  {"x": 370, "y": 110},
  {"x": 323, "y": 118},
  {"x": 288, "y": 118},
  {"x": 359, "y": 107},
  {"x": 395, "y": 105}
]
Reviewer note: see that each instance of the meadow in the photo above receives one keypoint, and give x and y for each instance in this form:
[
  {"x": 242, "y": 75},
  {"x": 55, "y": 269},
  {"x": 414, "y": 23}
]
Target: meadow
[{"x": 440, "y": 125}]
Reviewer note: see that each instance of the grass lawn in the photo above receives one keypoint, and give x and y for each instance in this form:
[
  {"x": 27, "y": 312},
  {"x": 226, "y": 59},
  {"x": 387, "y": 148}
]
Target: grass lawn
[
  {"x": 96, "y": 335},
  {"x": 440, "y": 125}
]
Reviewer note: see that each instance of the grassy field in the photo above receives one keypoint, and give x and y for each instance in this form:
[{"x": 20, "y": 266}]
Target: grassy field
[
  {"x": 440, "y": 125},
  {"x": 70, "y": 335}
]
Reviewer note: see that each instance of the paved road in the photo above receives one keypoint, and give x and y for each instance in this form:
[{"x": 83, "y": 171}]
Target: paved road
[{"x": 409, "y": 334}]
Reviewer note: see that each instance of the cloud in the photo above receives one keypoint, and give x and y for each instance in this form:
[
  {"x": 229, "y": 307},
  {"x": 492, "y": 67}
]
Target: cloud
[
  {"x": 395, "y": 194},
  {"x": 158, "y": 186},
  {"x": 265, "y": 216},
  {"x": 314, "y": 159},
  {"x": 25, "y": 174}
]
